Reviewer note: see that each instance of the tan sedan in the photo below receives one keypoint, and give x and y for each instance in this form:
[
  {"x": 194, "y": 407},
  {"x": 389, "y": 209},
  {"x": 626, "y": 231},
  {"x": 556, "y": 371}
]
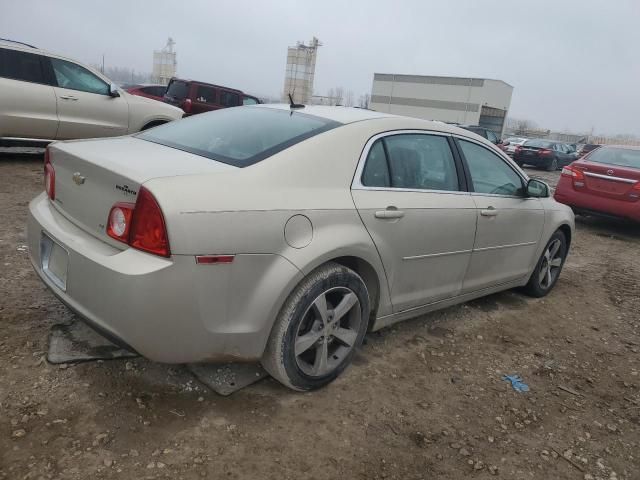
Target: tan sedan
[{"x": 284, "y": 235}]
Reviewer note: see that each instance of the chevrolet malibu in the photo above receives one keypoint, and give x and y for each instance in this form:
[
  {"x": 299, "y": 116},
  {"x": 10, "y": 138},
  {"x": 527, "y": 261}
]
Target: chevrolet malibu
[{"x": 284, "y": 234}]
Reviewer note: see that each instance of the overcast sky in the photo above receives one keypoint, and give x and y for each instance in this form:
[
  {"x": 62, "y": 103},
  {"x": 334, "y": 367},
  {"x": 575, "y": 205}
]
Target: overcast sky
[{"x": 574, "y": 63}]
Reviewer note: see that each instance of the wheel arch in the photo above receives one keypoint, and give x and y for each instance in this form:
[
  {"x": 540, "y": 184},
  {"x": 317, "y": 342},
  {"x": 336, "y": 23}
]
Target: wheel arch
[{"x": 566, "y": 230}]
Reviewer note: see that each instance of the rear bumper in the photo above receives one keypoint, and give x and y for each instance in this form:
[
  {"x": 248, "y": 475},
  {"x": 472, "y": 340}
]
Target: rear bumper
[
  {"x": 168, "y": 310},
  {"x": 579, "y": 200}
]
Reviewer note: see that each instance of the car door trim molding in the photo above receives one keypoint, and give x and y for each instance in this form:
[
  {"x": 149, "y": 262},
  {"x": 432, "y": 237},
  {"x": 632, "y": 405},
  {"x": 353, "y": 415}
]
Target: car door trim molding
[
  {"x": 498, "y": 247},
  {"x": 431, "y": 255},
  {"x": 356, "y": 183},
  {"x": 609, "y": 177}
]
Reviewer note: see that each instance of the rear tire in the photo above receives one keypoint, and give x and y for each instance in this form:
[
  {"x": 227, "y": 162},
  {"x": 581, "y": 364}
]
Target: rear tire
[
  {"x": 548, "y": 268},
  {"x": 319, "y": 328}
]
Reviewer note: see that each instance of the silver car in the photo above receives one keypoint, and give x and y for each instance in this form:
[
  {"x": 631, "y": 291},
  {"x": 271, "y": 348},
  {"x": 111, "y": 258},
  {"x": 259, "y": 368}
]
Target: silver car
[{"x": 285, "y": 234}]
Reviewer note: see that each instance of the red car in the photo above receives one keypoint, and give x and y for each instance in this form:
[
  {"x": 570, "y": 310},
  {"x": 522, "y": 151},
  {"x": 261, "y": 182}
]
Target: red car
[
  {"x": 150, "y": 91},
  {"x": 606, "y": 182}
]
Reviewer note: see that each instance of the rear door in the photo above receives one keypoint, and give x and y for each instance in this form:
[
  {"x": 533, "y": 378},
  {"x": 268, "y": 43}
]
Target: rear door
[
  {"x": 411, "y": 195},
  {"x": 85, "y": 108},
  {"x": 612, "y": 173},
  {"x": 509, "y": 224},
  {"x": 27, "y": 100}
]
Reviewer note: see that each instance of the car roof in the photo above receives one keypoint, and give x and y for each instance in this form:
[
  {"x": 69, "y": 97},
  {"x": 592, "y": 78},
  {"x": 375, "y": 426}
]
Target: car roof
[{"x": 346, "y": 115}]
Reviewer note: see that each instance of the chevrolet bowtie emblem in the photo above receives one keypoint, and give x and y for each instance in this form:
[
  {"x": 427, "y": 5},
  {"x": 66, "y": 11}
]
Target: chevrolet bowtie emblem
[{"x": 78, "y": 179}]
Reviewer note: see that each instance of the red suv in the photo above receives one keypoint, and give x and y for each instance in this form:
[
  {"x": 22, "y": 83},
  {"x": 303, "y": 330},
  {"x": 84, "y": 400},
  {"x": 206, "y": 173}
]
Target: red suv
[
  {"x": 606, "y": 181},
  {"x": 199, "y": 97}
]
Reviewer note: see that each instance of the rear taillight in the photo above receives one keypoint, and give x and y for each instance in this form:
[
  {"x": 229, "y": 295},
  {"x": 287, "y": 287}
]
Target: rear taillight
[
  {"x": 636, "y": 186},
  {"x": 140, "y": 225},
  {"x": 545, "y": 152},
  {"x": 518, "y": 149},
  {"x": 49, "y": 176},
  {"x": 119, "y": 223},
  {"x": 572, "y": 172},
  {"x": 186, "y": 105}
]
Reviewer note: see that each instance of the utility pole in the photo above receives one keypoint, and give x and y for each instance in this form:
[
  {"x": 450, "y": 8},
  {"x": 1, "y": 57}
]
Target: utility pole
[{"x": 102, "y": 64}]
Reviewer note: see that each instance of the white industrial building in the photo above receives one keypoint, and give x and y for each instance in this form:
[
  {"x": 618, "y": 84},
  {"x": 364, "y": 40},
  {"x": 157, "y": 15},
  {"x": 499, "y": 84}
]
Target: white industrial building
[
  {"x": 467, "y": 101},
  {"x": 301, "y": 70}
]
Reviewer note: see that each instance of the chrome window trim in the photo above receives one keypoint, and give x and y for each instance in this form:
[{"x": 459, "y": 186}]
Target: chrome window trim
[
  {"x": 356, "y": 183},
  {"x": 609, "y": 177}
]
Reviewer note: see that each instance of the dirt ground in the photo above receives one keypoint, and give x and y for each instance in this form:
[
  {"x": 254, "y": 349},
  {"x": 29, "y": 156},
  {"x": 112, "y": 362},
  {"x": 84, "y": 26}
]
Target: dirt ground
[{"x": 425, "y": 399}]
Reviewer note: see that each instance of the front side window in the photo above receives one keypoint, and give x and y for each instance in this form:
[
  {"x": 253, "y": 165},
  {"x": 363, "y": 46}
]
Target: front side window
[
  {"x": 21, "y": 66},
  {"x": 205, "y": 94},
  {"x": 72, "y": 76},
  {"x": 229, "y": 99},
  {"x": 489, "y": 173},
  {"x": 412, "y": 161},
  {"x": 492, "y": 137}
]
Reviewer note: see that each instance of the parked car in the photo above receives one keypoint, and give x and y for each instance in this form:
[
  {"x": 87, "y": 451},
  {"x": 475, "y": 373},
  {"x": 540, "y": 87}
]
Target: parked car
[
  {"x": 547, "y": 154},
  {"x": 511, "y": 143},
  {"x": 484, "y": 133},
  {"x": 199, "y": 97},
  {"x": 155, "y": 92},
  {"x": 605, "y": 181},
  {"x": 284, "y": 234},
  {"x": 586, "y": 148},
  {"x": 46, "y": 97}
]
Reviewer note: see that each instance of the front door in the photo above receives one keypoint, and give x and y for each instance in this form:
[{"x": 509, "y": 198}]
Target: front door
[
  {"x": 85, "y": 108},
  {"x": 509, "y": 223},
  {"x": 413, "y": 202}
]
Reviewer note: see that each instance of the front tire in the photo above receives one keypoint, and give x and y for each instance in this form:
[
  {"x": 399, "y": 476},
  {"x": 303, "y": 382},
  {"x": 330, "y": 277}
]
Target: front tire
[
  {"x": 553, "y": 166},
  {"x": 319, "y": 328},
  {"x": 549, "y": 266}
]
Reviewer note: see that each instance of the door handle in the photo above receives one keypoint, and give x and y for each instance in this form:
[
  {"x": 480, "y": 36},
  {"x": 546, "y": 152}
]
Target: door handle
[
  {"x": 390, "y": 212},
  {"x": 489, "y": 212},
  {"x": 68, "y": 97}
]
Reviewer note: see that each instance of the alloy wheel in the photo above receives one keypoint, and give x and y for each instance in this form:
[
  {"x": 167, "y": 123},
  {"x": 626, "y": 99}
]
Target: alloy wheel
[
  {"x": 328, "y": 331},
  {"x": 551, "y": 263}
]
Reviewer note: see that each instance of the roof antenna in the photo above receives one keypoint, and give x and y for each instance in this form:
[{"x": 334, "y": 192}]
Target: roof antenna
[{"x": 293, "y": 105}]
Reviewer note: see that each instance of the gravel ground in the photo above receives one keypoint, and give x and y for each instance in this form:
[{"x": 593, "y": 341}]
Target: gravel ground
[{"x": 425, "y": 399}]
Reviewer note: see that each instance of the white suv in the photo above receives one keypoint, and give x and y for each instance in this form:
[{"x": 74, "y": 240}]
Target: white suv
[{"x": 46, "y": 97}]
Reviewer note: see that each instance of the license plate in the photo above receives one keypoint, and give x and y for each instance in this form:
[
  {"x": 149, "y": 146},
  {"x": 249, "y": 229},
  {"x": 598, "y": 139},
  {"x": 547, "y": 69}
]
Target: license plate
[{"x": 54, "y": 260}]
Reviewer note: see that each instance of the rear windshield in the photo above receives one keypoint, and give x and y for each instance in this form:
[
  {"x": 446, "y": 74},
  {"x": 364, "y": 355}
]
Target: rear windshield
[
  {"x": 239, "y": 136},
  {"x": 538, "y": 143},
  {"x": 178, "y": 90},
  {"x": 622, "y": 157},
  {"x": 589, "y": 147}
]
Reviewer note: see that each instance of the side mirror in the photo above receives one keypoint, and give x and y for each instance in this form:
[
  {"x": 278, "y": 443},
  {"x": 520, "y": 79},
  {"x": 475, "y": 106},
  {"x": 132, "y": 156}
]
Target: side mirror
[
  {"x": 113, "y": 90},
  {"x": 537, "y": 189}
]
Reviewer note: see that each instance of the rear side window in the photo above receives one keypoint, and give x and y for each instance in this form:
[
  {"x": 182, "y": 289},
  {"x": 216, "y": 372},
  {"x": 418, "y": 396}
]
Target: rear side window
[
  {"x": 492, "y": 137},
  {"x": 74, "y": 77},
  {"x": 239, "y": 136},
  {"x": 229, "y": 99},
  {"x": 178, "y": 90},
  {"x": 622, "y": 157},
  {"x": 21, "y": 66},
  {"x": 205, "y": 94},
  {"x": 412, "y": 161}
]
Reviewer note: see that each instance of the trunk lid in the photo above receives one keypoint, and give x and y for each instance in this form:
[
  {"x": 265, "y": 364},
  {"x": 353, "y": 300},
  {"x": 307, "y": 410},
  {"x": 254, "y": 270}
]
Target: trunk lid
[
  {"x": 610, "y": 181},
  {"x": 92, "y": 175}
]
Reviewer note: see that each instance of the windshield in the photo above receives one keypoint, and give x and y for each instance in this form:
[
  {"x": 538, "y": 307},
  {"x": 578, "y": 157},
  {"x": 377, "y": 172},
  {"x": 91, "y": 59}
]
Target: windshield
[
  {"x": 515, "y": 140},
  {"x": 239, "y": 136},
  {"x": 178, "y": 89},
  {"x": 622, "y": 157},
  {"x": 538, "y": 143}
]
